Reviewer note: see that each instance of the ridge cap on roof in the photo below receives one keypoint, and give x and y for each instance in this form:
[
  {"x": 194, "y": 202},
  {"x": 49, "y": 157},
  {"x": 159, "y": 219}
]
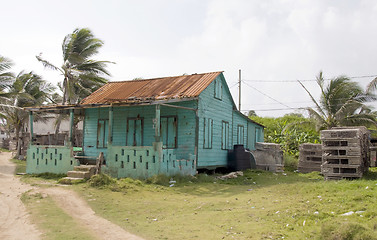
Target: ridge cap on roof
[{"x": 153, "y": 79}]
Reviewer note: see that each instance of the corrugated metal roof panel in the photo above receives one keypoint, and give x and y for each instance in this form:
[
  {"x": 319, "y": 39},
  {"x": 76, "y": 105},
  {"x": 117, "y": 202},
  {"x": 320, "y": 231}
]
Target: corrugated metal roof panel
[{"x": 186, "y": 86}]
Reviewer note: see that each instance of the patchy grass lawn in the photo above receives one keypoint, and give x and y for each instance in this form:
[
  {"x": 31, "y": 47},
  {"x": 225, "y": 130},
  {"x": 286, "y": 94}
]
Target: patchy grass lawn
[
  {"x": 20, "y": 165},
  {"x": 54, "y": 223},
  {"x": 259, "y": 205}
]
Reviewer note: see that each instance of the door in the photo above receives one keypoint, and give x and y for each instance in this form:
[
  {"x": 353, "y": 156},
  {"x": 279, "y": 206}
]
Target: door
[{"x": 134, "y": 132}]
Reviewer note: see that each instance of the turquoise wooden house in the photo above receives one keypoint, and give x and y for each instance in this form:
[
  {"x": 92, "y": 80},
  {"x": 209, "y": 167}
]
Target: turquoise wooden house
[{"x": 170, "y": 125}]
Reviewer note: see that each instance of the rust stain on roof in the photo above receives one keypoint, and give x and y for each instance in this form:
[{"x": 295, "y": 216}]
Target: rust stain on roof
[{"x": 186, "y": 86}]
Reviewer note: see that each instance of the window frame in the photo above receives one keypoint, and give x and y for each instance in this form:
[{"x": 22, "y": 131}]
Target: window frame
[
  {"x": 142, "y": 131},
  {"x": 225, "y": 135},
  {"x": 167, "y": 132},
  {"x": 239, "y": 126},
  {"x": 105, "y": 130},
  {"x": 208, "y": 127},
  {"x": 218, "y": 89}
]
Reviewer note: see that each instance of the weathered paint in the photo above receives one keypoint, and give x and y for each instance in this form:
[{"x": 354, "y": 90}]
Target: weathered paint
[
  {"x": 220, "y": 110},
  {"x": 52, "y": 159},
  {"x": 144, "y": 140},
  {"x": 147, "y": 161}
]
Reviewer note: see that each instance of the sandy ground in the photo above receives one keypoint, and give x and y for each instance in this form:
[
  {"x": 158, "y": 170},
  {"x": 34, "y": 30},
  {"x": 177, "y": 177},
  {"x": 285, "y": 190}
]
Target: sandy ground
[
  {"x": 76, "y": 207},
  {"x": 14, "y": 220}
]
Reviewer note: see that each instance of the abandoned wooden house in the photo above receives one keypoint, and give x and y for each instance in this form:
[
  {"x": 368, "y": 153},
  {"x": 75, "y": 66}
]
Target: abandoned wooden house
[{"x": 170, "y": 125}]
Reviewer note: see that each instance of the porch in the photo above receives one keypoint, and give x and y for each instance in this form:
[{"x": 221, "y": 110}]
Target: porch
[{"x": 120, "y": 161}]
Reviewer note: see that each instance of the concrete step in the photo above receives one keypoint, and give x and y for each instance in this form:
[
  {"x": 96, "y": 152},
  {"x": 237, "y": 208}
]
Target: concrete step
[
  {"x": 70, "y": 180},
  {"x": 79, "y": 174},
  {"x": 86, "y": 168}
]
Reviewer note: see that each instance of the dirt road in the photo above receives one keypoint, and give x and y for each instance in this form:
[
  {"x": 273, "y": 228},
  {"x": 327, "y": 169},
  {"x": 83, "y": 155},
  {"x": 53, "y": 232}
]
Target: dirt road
[{"x": 14, "y": 220}]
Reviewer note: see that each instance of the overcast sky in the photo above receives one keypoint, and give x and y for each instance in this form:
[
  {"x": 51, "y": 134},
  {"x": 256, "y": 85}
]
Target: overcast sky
[{"x": 276, "y": 40}]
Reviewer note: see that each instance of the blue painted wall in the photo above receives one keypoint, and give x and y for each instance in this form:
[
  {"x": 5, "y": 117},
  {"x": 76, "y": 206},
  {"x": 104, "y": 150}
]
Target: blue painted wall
[
  {"x": 215, "y": 103},
  {"x": 210, "y": 106},
  {"x": 185, "y": 118}
]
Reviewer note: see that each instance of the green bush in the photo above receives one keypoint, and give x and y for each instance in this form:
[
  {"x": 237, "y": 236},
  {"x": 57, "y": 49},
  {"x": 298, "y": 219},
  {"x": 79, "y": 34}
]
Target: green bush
[
  {"x": 290, "y": 162},
  {"x": 101, "y": 180}
]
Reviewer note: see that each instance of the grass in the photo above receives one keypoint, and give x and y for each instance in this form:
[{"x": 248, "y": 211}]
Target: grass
[
  {"x": 259, "y": 205},
  {"x": 20, "y": 165},
  {"x": 54, "y": 223}
]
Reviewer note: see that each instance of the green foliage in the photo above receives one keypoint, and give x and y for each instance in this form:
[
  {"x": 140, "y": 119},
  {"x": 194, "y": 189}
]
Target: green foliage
[
  {"x": 290, "y": 162},
  {"x": 342, "y": 103},
  {"x": 101, "y": 180},
  {"x": 289, "y": 131},
  {"x": 82, "y": 75}
]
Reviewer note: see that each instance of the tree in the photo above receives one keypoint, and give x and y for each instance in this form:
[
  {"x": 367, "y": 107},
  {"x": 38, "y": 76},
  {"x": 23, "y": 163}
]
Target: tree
[
  {"x": 251, "y": 113},
  {"x": 25, "y": 90},
  {"x": 81, "y": 74},
  {"x": 5, "y": 77},
  {"x": 342, "y": 103},
  {"x": 372, "y": 86}
]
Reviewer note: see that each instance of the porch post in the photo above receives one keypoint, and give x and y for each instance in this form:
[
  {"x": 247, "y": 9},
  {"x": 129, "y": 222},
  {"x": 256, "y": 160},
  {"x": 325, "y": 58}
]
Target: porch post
[
  {"x": 71, "y": 118},
  {"x": 157, "y": 129},
  {"x": 31, "y": 127},
  {"x": 110, "y": 136}
]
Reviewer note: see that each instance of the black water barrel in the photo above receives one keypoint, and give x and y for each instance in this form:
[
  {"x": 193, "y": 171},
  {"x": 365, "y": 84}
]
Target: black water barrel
[{"x": 240, "y": 159}]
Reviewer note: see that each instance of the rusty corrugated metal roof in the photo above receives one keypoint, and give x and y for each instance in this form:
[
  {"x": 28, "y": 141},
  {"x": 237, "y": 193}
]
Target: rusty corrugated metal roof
[{"x": 186, "y": 86}]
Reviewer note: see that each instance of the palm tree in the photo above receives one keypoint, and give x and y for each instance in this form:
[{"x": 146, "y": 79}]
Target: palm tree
[
  {"x": 81, "y": 74},
  {"x": 26, "y": 90},
  {"x": 372, "y": 86},
  {"x": 342, "y": 103},
  {"x": 5, "y": 77}
]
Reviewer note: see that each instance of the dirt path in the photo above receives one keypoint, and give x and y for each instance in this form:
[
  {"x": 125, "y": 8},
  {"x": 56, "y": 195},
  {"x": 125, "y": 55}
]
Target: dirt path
[
  {"x": 14, "y": 219},
  {"x": 76, "y": 207}
]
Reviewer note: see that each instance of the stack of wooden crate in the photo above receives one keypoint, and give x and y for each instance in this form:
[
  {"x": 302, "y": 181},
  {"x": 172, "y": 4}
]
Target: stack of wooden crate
[
  {"x": 310, "y": 158},
  {"x": 345, "y": 152}
]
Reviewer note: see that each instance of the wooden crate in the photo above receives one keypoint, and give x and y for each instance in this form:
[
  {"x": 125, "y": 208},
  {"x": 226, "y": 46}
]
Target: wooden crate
[{"x": 351, "y": 160}]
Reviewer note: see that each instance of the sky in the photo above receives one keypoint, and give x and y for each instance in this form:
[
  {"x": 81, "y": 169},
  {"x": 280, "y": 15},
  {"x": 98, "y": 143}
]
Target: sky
[{"x": 273, "y": 42}]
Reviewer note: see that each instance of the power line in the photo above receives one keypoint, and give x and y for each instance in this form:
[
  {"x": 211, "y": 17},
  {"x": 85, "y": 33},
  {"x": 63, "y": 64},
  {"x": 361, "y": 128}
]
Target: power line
[
  {"x": 266, "y": 95},
  {"x": 275, "y": 109},
  {"x": 305, "y": 80}
]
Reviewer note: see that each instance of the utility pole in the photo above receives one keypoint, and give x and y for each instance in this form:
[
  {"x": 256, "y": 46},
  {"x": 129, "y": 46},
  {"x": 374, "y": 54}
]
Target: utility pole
[{"x": 239, "y": 90}]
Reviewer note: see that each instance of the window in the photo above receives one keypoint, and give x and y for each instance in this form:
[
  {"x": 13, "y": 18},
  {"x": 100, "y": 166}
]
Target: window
[
  {"x": 134, "y": 132},
  {"x": 208, "y": 132},
  {"x": 257, "y": 134},
  {"x": 218, "y": 89},
  {"x": 169, "y": 131},
  {"x": 102, "y": 133},
  {"x": 225, "y": 135},
  {"x": 240, "y": 134}
]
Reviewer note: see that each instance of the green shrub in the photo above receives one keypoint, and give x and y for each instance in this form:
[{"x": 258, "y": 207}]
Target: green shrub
[
  {"x": 290, "y": 162},
  {"x": 101, "y": 180}
]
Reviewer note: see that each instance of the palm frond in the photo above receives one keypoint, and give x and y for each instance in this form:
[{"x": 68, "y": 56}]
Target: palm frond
[
  {"x": 47, "y": 64},
  {"x": 372, "y": 86},
  {"x": 313, "y": 99}
]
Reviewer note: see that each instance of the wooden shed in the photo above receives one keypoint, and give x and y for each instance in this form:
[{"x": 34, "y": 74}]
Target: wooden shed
[{"x": 170, "y": 125}]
